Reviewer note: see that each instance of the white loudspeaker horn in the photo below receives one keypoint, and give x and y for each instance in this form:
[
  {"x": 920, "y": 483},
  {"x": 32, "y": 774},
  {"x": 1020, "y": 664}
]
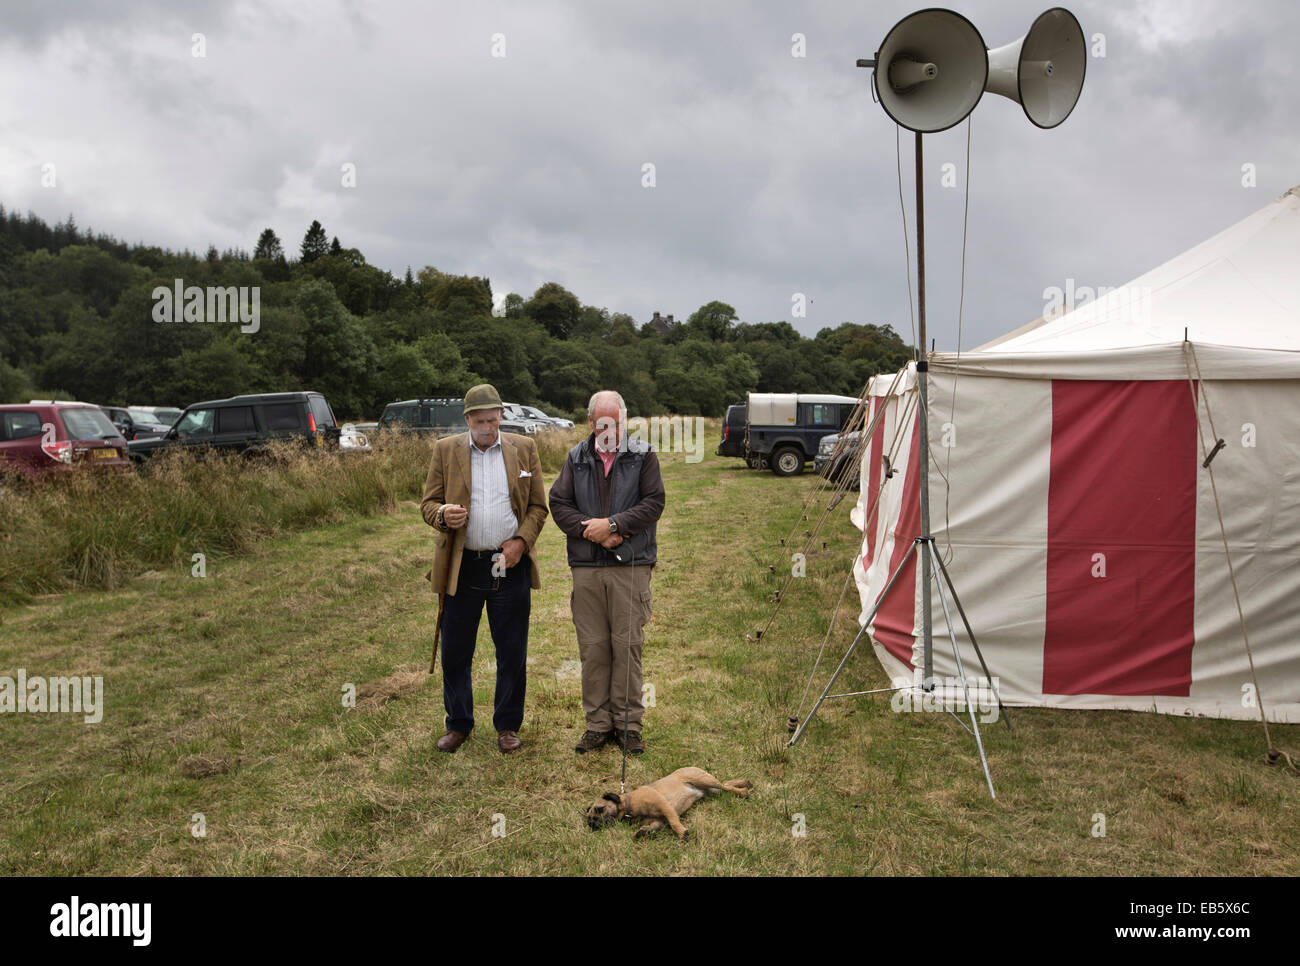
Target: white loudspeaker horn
[
  {"x": 1043, "y": 70},
  {"x": 930, "y": 70}
]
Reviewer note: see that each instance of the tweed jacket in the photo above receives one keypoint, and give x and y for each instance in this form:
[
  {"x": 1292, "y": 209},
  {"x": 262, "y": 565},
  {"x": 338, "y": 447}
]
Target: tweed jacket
[{"x": 448, "y": 482}]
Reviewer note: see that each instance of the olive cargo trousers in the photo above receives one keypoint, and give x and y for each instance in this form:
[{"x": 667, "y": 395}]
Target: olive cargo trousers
[{"x": 611, "y": 606}]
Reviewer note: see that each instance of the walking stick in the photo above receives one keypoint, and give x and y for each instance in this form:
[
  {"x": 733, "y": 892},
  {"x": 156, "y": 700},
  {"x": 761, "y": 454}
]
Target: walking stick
[
  {"x": 437, "y": 627},
  {"x": 442, "y": 603}
]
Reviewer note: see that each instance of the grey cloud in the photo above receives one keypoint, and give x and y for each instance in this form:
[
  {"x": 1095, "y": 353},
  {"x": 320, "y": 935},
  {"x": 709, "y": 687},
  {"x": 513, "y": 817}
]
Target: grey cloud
[{"x": 775, "y": 174}]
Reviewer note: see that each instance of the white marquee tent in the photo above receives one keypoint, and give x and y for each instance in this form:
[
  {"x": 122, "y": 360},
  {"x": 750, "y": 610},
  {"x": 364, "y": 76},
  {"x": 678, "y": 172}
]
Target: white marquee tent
[{"x": 1069, "y": 500}]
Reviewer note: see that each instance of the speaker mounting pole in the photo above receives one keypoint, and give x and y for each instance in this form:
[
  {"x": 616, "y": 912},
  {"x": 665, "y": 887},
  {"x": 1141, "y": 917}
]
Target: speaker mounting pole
[
  {"x": 922, "y": 375},
  {"x": 935, "y": 67}
]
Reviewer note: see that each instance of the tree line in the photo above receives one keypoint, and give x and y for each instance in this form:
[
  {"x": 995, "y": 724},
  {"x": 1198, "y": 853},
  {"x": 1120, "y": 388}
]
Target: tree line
[{"x": 77, "y": 321}]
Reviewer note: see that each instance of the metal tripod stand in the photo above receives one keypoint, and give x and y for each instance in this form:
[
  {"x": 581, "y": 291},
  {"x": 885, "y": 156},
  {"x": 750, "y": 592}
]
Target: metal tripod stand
[{"x": 932, "y": 555}]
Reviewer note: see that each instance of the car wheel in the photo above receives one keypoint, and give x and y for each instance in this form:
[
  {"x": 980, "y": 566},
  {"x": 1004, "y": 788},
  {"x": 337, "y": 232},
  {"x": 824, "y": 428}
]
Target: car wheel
[{"x": 787, "y": 461}]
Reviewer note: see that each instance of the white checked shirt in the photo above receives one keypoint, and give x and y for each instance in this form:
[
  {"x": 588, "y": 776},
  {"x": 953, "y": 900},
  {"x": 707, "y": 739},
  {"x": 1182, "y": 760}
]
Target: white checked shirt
[{"x": 491, "y": 520}]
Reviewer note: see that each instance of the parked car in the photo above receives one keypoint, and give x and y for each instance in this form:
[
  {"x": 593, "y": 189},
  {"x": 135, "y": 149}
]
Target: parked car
[
  {"x": 134, "y": 423},
  {"x": 439, "y": 417},
  {"x": 536, "y": 413},
  {"x": 783, "y": 430},
  {"x": 515, "y": 413},
  {"x": 841, "y": 464},
  {"x": 246, "y": 424},
  {"x": 167, "y": 415},
  {"x": 733, "y": 431},
  {"x": 519, "y": 412},
  {"x": 353, "y": 439},
  {"x": 41, "y": 438}
]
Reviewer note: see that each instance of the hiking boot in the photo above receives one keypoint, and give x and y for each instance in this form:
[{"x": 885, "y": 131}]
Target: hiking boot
[
  {"x": 630, "y": 741},
  {"x": 592, "y": 741}
]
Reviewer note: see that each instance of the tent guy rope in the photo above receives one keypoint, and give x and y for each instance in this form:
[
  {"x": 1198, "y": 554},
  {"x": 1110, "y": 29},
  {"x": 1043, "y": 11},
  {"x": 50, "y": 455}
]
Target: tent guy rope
[{"x": 1271, "y": 754}]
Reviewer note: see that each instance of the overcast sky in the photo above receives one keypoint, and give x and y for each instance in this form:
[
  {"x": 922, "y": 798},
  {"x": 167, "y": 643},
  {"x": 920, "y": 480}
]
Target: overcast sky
[{"x": 774, "y": 174}]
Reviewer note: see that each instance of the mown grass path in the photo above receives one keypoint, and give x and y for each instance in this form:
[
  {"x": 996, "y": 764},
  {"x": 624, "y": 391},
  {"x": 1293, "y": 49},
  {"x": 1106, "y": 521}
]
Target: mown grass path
[{"x": 248, "y": 664}]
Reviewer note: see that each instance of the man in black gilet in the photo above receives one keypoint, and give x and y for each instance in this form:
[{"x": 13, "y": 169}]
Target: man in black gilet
[{"x": 607, "y": 499}]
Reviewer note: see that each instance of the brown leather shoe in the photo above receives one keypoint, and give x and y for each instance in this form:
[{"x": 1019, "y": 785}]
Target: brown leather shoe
[
  {"x": 451, "y": 741},
  {"x": 508, "y": 741}
]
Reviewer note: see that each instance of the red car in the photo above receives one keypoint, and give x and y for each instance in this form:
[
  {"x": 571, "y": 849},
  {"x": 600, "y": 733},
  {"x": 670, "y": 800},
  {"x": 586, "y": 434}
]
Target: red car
[{"x": 40, "y": 438}]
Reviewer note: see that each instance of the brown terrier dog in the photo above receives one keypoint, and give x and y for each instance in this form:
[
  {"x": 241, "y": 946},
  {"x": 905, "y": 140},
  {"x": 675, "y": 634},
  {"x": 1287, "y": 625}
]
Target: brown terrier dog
[{"x": 662, "y": 802}]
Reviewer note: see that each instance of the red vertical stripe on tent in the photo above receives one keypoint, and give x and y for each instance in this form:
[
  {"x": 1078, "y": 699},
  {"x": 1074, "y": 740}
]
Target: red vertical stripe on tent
[
  {"x": 897, "y": 615},
  {"x": 874, "y": 451},
  {"x": 1122, "y": 501}
]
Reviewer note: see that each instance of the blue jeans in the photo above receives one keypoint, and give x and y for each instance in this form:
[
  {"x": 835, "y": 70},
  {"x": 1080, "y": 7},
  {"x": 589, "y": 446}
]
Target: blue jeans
[{"x": 508, "y": 600}]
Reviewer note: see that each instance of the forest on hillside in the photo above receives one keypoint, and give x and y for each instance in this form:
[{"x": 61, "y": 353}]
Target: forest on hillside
[{"x": 79, "y": 320}]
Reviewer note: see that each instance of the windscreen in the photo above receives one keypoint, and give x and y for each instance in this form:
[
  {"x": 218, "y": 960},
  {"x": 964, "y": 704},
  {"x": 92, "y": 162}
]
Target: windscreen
[{"x": 87, "y": 424}]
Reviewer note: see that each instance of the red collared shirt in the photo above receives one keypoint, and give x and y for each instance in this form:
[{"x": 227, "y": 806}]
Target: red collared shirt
[{"x": 607, "y": 459}]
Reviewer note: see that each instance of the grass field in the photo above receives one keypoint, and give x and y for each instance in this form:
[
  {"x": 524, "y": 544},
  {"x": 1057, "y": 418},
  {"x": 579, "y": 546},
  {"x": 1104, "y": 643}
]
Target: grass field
[{"x": 242, "y": 673}]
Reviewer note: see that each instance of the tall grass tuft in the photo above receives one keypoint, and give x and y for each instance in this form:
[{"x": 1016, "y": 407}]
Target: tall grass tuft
[
  {"x": 554, "y": 445},
  {"x": 97, "y": 529}
]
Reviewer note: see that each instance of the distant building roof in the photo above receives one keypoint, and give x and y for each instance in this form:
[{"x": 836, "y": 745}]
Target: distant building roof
[{"x": 661, "y": 324}]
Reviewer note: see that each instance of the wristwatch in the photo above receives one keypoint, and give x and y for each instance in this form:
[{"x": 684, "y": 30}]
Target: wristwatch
[{"x": 613, "y": 526}]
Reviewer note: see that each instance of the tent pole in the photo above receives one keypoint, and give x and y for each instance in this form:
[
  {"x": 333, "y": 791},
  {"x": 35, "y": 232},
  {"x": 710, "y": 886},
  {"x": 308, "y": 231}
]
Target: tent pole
[{"x": 922, "y": 365}]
